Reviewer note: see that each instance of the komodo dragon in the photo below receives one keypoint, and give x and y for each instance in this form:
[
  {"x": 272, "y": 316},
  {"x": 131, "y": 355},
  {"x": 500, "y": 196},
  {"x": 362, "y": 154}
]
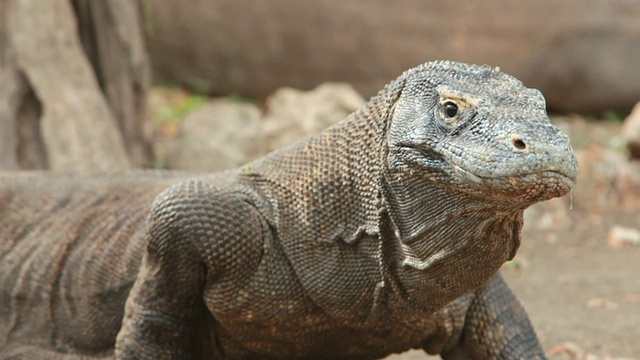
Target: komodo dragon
[{"x": 383, "y": 233}]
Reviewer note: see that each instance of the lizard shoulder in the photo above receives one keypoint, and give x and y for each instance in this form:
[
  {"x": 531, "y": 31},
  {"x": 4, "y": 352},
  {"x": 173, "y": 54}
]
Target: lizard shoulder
[{"x": 221, "y": 226}]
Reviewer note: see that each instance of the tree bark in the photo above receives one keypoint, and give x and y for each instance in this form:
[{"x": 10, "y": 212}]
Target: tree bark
[
  {"x": 53, "y": 112},
  {"x": 112, "y": 38}
]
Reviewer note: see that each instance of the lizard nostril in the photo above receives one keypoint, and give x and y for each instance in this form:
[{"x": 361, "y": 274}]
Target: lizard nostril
[{"x": 518, "y": 143}]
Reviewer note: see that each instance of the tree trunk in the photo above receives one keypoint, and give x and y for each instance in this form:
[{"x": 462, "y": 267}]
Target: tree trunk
[
  {"x": 112, "y": 37},
  {"x": 53, "y": 113}
]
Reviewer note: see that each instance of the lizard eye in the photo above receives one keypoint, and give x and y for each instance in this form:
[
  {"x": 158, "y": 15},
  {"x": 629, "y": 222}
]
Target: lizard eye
[{"x": 450, "y": 109}]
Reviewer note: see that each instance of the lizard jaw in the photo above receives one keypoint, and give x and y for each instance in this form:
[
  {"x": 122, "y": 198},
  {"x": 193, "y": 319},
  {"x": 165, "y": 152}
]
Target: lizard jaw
[
  {"x": 533, "y": 186},
  {"x": 555, "y": 180}
]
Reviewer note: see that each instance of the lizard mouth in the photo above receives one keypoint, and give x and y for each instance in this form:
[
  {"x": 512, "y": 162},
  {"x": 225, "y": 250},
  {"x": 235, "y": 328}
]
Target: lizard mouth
[
  {"x": 539, "y": 185},
  {"x": 569, "y": 179},
  {"x": 557, "y": 179}
]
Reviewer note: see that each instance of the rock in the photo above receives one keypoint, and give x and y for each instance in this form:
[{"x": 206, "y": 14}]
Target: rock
[
  {"x": 620, "y": 236},
  {"x": 293, "y": 114},
  {"x": 223, "y": 134},
  {"x": 219, "y": 135},
  {"x": 582, "y": 62},
  {"x": 600, "y": 303},
  {"x": 570, "y": 348},
  {"x": 631, "y": 131},
  {"x": 554, "y": 214},
  {"x": 607, "y": 179}
]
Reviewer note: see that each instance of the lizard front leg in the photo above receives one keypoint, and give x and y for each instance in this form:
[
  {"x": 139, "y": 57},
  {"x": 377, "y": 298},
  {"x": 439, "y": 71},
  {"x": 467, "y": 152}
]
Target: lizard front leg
[
  {"x": 195, "y": 234},
  {"x": 496, "y": 326}
]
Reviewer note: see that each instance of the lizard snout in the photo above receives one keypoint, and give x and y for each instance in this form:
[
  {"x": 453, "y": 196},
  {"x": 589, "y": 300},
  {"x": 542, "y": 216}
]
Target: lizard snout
[{"x": 545, "y": 149}]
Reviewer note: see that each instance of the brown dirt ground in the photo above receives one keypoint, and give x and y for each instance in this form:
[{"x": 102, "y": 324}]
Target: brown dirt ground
[{"x": 582, "y": 295}]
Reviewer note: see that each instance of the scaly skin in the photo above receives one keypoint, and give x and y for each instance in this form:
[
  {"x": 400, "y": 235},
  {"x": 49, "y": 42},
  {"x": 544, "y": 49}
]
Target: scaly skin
[{"x": 383, "y": 233}]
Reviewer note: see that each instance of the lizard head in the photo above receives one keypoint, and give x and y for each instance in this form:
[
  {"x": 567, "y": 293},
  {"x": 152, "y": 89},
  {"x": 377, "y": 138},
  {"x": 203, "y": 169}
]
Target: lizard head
[{"x": 479, "y": 131}]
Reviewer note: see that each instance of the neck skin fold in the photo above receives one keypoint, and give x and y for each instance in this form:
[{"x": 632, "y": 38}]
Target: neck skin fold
[{"x": 446, "y": 242}]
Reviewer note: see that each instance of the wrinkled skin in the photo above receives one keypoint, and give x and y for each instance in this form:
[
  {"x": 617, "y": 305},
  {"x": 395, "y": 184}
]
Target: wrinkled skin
[{"x": 383, "y": 233}]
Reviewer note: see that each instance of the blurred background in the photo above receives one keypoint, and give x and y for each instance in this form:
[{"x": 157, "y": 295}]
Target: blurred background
[{"x": 92, "y": 86}]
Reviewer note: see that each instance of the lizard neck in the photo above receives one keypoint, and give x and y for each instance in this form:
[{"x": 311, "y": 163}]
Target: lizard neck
[
  {"x": 440, "y": 243},
  {"x": 333, "y": 179}
]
